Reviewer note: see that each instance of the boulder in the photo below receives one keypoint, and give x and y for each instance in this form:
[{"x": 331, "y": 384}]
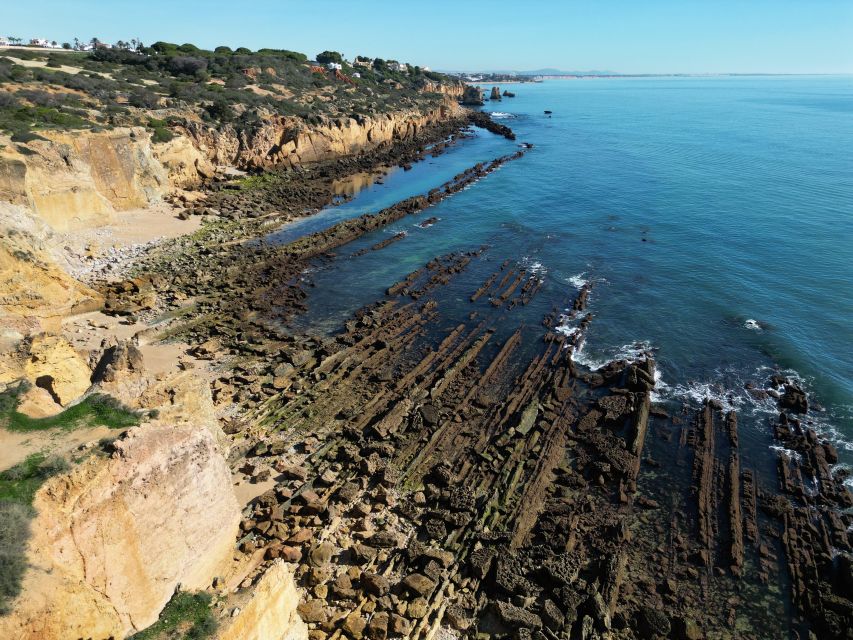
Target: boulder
[
  {"x": 375, "y": 584},
  {"x": 794, "y": 399},
  {"x": 419, "y": 584},
  {"x": 54, "y": 365}
]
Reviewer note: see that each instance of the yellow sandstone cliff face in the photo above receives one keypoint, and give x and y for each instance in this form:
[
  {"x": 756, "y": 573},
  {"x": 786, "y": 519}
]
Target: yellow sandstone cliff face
[
  {"x": 269, "y": 612},
  {"x": 115, "y": 537},
  {"x": 79, "y": 179},
  {"x": 284, "y": 141},
  {"x": 35, "y": 290}
]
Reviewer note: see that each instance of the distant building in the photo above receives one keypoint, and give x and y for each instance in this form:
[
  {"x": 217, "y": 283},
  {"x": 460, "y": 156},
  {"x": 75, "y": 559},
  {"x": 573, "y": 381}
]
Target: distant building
[
  {"x": 362, "y": 61},
  {"x": 334, "y": 66},
  {"x": 425, "y": 69},
  {"x": 47, "y": 44},
  {"x": 398, "y": 66},
  {"x": 4, "y": 42},
  {"x": 356, "y": 75}
]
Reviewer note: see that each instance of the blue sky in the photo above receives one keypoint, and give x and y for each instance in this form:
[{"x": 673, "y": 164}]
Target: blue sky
[{"x": 629, "y": 36}]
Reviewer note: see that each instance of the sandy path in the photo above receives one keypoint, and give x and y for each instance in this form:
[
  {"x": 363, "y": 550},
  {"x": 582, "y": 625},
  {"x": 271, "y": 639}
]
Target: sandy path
[
  {"x": 15, "y": 447},
  {"x": 64, "y": 67}
]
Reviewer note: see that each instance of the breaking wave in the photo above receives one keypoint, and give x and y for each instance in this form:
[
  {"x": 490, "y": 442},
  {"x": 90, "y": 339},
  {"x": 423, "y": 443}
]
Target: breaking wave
[
  {"x": 577, "y": 280},
  {"x": 533, "y": 266}
]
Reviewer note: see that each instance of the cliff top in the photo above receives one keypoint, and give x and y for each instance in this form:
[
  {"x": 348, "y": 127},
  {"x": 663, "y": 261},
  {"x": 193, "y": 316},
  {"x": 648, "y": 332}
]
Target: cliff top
[{"x": 166, "y": 83}]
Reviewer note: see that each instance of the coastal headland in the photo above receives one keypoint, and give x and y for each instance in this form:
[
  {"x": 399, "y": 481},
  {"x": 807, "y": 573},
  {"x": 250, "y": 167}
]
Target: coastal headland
[{"x": 177, "y": 459}]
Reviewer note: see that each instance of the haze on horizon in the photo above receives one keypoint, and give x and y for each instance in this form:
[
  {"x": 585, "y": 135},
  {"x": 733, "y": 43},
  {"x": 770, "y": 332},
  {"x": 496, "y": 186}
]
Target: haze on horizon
[{"x": 656, "y": 36}]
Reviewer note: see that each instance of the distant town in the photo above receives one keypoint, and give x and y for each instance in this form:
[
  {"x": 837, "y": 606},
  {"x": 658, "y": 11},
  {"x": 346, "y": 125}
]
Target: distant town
[{"x": 76, "y": 45}]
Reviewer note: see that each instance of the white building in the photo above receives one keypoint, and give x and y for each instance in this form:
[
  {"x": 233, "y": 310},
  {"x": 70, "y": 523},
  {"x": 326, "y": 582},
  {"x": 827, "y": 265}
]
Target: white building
[
  {"x": 4, "y": 42},
  {"x": 362, "y": 62},
  {"x": 398, "y": 66},
  {"x": 356, "y": 75},
  {"x": 41, "y": 42},
  {"x": 334, "y": 66}
]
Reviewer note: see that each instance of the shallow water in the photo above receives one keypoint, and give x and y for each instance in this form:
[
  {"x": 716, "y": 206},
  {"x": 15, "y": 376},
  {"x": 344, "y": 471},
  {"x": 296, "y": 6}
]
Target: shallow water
[{"x": 714, "y": 214}]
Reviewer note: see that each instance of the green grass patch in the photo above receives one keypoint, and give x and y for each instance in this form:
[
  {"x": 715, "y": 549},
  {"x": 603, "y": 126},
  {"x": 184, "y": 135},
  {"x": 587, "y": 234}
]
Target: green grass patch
[
  {"x": 95, "y": 410},
  {"x": 187, "y": 614},
  {"x": 260, "y": 181},
  {"x": 18, "y": 485}
]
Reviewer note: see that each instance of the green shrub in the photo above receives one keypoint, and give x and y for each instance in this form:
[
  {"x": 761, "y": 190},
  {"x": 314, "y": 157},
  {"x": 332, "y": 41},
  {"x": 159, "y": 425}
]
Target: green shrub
[
  {"x": 94, "y": 410},
  {"x": 187, "y": 612},
  {"x": 160, "y": 130}
]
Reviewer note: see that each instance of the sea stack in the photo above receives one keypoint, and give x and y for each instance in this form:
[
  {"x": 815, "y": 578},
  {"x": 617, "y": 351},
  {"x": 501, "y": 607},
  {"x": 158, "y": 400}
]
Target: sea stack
[
  {"x": 496, "y": 93},
  {"x": 472, "y": 96}
]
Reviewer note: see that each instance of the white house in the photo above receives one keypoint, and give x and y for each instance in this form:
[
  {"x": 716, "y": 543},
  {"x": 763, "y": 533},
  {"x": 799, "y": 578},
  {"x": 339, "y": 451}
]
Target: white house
[
  {"x": 334, "y": 66},
  {"x": 361, "y": 61},
  {"x": 4, "y": 42},
  {"x": 42, "y": 42},
  {"x": 356, "y": 75},
  {"x": 398, "y": 66}
]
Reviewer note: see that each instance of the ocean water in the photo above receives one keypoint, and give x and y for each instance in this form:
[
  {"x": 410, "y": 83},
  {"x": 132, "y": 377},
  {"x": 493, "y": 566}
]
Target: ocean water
[{"x": 715, "y": 216}]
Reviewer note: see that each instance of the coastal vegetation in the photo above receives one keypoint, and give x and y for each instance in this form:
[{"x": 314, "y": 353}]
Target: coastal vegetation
[
  {"x": 187, "y": 616},
  {"x": 160, "y": 85},
  {"x": 94, "y": 410}
]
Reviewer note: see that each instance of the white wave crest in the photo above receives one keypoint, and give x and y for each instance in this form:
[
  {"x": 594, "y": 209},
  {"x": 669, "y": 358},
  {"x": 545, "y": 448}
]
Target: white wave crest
[
  {"x": 630, "y": 352},
  {"x": 577, "y": 281},
  {"x": 751, "y": 324},
  {"x": 533, "y": 266},
  {"x": 501, "y": 115}
]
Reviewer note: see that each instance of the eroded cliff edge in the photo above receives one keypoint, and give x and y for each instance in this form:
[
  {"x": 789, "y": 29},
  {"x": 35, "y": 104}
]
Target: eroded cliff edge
[{"x": 154, "y": 510}]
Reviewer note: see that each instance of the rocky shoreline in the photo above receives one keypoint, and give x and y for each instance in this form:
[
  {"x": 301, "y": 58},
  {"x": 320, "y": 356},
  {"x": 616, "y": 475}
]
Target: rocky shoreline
[
  {"x": 419, "y": 484},
  {"x": 425, "y": 472}
]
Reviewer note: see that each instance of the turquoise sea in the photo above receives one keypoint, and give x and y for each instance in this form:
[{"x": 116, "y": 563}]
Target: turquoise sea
[{"x": 714, "y": 215}]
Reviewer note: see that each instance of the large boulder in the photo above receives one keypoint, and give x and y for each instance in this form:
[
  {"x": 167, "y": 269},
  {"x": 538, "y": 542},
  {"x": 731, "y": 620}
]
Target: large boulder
[
  {"x": 114, "y": 537},
  {"x": 54, "y": 365}
]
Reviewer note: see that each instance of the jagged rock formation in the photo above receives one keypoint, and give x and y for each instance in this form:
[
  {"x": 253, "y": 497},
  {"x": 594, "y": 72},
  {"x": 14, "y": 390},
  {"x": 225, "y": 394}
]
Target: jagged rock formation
[
  {"x": 53, "y": 364},
  {"x": 496, "y": 94},
  {"x": 49, "y": 362}
]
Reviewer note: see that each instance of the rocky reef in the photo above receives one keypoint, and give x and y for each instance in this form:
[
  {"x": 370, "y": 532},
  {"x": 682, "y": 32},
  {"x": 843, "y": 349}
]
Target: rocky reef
[{"x": 437, "y": 466}]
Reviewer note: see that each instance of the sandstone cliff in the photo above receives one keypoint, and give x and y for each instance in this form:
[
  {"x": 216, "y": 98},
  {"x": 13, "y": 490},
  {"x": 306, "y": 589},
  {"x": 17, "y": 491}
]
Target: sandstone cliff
[
  {"x": 283, "y": 141},
  {"x": 35, "y": 288},
  {"x": 268, "y": 612},
  {"x": 115, "y": 537},
  {"x": 79, "y": 178}
]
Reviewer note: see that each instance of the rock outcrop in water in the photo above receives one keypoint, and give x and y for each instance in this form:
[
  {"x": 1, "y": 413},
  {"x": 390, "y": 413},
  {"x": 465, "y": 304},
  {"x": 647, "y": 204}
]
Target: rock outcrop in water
[
  {"x": 496, "y": 94},
  {"x": 473, "y": 96}
]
